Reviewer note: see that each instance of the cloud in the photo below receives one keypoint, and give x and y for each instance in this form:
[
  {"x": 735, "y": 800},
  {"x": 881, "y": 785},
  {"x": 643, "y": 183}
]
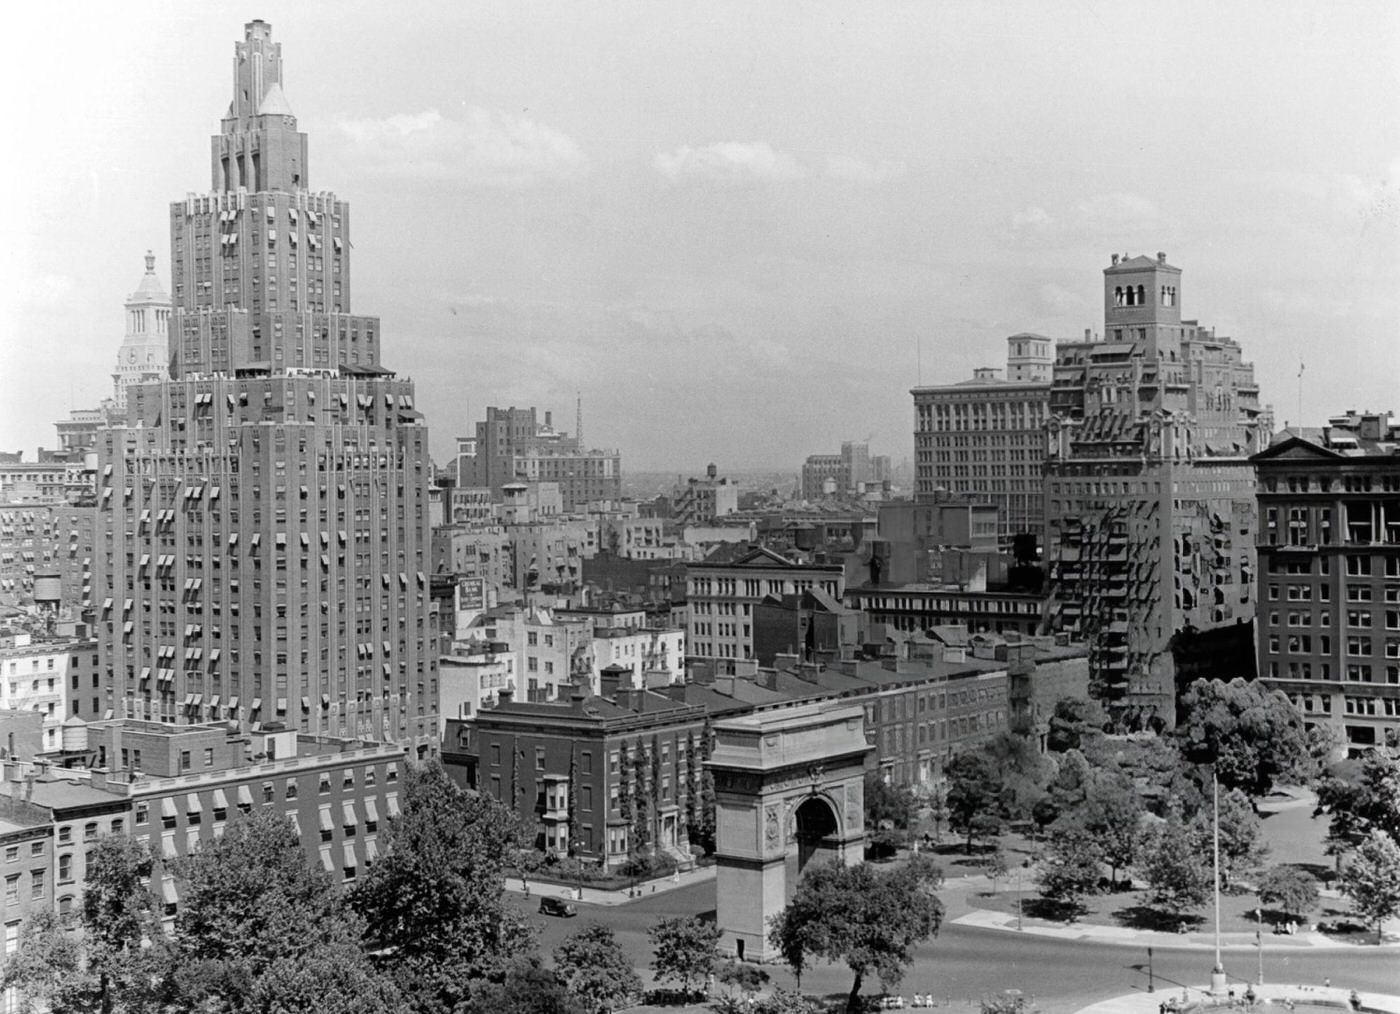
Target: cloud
[
  {"x": 1032, "y": 218},
  {"x": 858, "y": 170},
  {"x": 481, "y": 148},
  {"x": 1117, "y": 213},
  {"x": 729, "y": 162}
]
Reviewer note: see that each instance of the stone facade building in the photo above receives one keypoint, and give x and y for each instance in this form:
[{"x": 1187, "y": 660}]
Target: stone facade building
[
  {"x": 1329, "y": 571},
  {"x": 984, "y": 438}
]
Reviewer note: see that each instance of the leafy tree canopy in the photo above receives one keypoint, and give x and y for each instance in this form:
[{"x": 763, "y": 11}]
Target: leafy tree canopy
[
  {"x": 1251, "y": 734},
  {"x": 1372, "y": 880},
  {"x": 1069, "y": 868},
  {"x": 1361, "y": 796},
  {"x": 1176, "y": 866},
  {"x": 974, "y": 791},
  {"x": 1290, "y": 889},
  {"x": 683, "y": 950},
  {"x": 869, "y": 919},
  {"x": 433, "y": 901},
  {"x": 594, "y": 969},
  {"x": 886, "y": 802},
  {"x": 1074, "y": 719}
]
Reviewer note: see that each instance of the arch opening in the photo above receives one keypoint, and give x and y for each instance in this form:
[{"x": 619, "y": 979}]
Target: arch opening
[{"x": 816, "y": 831}]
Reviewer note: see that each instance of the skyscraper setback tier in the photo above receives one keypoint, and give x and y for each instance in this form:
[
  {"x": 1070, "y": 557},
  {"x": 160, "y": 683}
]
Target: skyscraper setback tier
[
  {"x": 1150, "y": 512},
  {"x": 263, "y": 514}
]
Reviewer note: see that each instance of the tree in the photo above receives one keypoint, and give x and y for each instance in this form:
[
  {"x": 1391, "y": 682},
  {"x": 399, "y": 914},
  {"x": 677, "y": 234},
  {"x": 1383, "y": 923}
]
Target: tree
[
  {"x": 1361, "y": 797},
  {"x": 433, "y": 903},
  {"x": 747, "y": 979},
  {"x": 974, "y": 793},
  {"x": 1372, "y": 880},
  {"x": 870, "y": 919},
  {"x": 1242, "y": 846},
  {"x": 1023, "y": 772},
  {"x": 258, "y": 922},
  {"x": 1111, "y": 812},
  {"x": 594, "y": 970},
  {"x": 1073, "y": 719},
  {"x": 118, "y": 916},
  {"x": 1291, "y": 890},
  {"x": 683, "y": 949},
  {"x": 886, "y": 803},
  {"x": 1176, "y": 866},
  {"x": 1251, "y": 734},
  {"x": 46, "y": 969},
  {"x": 995, "y": 867},
  {"x": 1069, "y": 869},
  {"x": 524, "y": 987}
]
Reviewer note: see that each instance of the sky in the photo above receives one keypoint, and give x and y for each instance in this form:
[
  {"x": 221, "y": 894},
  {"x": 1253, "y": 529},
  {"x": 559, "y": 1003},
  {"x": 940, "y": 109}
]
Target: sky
[{"x": 739, "y": 232}]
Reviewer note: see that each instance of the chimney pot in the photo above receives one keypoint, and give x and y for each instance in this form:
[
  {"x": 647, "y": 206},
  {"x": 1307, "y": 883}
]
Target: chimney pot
[
  {"x": 1115, "y": 260},
  {"x": 1161, "y": 257}
]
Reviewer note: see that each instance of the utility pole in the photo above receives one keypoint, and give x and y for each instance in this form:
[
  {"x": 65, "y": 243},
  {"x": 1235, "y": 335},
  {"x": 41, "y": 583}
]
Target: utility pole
[
  {"x": 1151, "y": 983},
  {"x": 1259, "y": 939}
]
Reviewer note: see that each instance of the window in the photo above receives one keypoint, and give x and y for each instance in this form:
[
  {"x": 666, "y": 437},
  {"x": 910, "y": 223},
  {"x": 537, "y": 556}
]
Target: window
[
  {"x": 268, "y": 792},
  {"x": 325, "y": 785},
  {"x": 12, "y": 888},
  {"x": 291, "y": 792},
  {"x": 539, "y": 758},
  {"x": 208, "y": 756},
  {"x": 12, "y": 854},
  {"x": 36, "y": 848},
  {"x": 90, "y": 831},
  {"x": 143, "y": 813},
  {"x": 184, "y": 760},
  {"x": 36, "y": 884},
  {"x": 65, "y": 868}
]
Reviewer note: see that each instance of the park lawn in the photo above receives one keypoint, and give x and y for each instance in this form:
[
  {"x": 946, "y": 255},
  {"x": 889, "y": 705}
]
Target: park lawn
[{"x": 1131, "y": 909}]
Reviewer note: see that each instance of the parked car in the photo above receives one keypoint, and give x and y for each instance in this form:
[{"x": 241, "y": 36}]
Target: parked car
[{"x": 557, "y": 906}]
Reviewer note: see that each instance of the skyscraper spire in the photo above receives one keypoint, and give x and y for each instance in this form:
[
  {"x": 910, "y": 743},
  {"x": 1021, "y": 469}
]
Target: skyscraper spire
[{"x": 259, "y": 146}]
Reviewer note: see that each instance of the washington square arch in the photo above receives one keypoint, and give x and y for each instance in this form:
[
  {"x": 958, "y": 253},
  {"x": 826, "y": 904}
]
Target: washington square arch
[{"x": 788, "y": 792}]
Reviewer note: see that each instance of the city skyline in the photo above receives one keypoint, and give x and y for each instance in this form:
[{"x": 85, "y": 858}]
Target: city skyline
[{"x": 865, "y": 200}]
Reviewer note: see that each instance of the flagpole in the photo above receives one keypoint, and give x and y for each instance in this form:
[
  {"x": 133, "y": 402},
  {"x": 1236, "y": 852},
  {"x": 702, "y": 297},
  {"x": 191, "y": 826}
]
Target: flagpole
[
  {"x": 1217, "y": 974},
  {"x": 1300, "y": 392}
]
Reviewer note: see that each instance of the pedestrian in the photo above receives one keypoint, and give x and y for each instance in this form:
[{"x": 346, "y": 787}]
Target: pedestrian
[
  {"x": 1327, "y": 983},
  {"x": 1355, "y": 1000}
]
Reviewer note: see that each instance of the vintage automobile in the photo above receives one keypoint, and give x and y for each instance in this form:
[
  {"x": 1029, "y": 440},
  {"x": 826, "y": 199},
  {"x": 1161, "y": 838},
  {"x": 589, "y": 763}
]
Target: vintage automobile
[{"x": 557, "y": 906}]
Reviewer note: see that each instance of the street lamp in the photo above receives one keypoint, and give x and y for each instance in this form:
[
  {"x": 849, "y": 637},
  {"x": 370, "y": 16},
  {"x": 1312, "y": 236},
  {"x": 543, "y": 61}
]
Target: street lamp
[
  {"x": 1259, "y": 939},
  {"x": 1024, "y": 863},
  {"x": 1151, "y": 982}
]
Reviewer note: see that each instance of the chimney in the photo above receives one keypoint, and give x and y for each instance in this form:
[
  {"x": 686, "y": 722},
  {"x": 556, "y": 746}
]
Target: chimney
[
  {"x": 1115, "y": 260},
  {"x": 1161, "y": 257},
  {"x": 504, "y": 696},
  {"x": 1088, "y": 335},
  {"x": 609, "y": 684}
]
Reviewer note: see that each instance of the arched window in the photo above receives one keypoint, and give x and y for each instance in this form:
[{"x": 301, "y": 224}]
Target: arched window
[
  {"x": 1118, "y": 296},
  {"x": 1142, "y": 296}
]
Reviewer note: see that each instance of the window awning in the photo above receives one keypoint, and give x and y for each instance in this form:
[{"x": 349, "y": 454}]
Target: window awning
[
  {"x": 192, "y": 804},
  {"x": 306, "y": 704},
  {"x": 348, "y": 809},
  {"x": 167, "y": 846},
  {"x": 220, "y": 800},
  {"x": 349, "y": 851},
  {"x": 256, "y": 705},
  {"x": 295, "y": 818},
  {"x": 325, "y": 816},
  {"x": 281, "y": 705},
  {"x": 327, "y": 861},
  {"x": 245, "y": 796},
  {"x": 392, "y": 803},
  {"x": 167, "y": 807},
  {"x": 371, "y": 810},
  {"x": 371, "y": 850}
]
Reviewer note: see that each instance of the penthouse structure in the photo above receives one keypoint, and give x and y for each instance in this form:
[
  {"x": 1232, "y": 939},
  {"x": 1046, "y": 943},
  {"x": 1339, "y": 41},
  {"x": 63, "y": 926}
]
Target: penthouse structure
[
  {"x": 984, "y": 438},
  {"x": 1329, "y": 570},
  {"x": 263, "y": 514},
  {"x": 1150, "y": 492}
]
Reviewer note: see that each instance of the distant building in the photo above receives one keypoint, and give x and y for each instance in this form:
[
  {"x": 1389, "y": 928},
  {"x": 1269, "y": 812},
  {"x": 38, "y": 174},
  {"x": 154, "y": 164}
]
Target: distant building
[
  {"x": 701, "y": 501},
  {"x": 145, "y": 351},
  {"x": 37, "y": 539},
  {"x": 721, "y": 597},
  {"x": 1329, "y": 566},
  {"x": 512, "y": 445},
  {"x": 54, "y": 677},
  {"x": 984, "y": 438},
  {"x": 826, "y": 476}
]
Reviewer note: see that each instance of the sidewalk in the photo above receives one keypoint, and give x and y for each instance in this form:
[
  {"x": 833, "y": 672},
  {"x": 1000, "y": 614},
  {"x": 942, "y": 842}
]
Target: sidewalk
[
  {"x": 1280, "y": 998},
  {"x": 597, "y": 896},
  {"x": 1197, "y": 940}
]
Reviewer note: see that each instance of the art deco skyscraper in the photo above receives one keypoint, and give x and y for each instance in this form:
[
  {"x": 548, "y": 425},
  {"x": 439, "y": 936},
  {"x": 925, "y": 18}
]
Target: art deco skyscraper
[{"x": 263, "y": 513}]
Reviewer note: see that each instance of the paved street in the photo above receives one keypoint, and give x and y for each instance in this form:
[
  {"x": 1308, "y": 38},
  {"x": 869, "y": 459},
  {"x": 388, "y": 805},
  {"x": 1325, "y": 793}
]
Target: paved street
[{"x": 968, "y": 962}]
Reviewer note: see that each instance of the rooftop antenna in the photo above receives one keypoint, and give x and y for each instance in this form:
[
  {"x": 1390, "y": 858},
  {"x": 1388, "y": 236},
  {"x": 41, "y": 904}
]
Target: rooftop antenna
[
  {"x": 919, "y": 345},
  {"x": 1300, "y": 392},
  {"x": 578, "y": 418}
]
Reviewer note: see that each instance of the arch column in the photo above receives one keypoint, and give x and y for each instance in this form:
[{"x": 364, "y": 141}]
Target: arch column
[{"x": 788, "y": 791}]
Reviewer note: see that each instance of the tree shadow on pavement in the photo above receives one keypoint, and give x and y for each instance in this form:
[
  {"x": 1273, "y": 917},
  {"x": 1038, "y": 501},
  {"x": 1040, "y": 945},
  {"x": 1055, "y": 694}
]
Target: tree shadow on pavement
[{"x": 1145, "y": 917}]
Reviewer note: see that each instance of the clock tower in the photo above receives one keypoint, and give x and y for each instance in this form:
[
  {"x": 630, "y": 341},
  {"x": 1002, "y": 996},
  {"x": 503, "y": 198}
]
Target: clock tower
[{"x": 145, "y": 352}]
